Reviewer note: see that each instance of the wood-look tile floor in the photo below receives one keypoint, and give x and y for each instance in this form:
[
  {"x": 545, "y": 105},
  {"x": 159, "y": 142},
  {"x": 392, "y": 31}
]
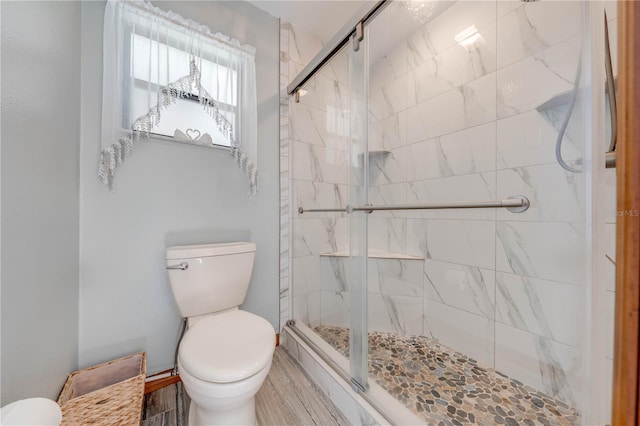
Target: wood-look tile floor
[{"x": 287, "y": 397}]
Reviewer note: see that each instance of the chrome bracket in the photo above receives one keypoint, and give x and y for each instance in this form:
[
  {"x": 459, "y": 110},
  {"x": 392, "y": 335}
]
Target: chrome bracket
[
  {"x": 358, "y": 36},
  {"x": 296, "y": 96},
  {"x": 523, "y": 208}
]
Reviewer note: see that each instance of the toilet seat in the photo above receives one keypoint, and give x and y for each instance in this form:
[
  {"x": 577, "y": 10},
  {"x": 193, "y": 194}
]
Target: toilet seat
[{"x": 227, "y": 347}]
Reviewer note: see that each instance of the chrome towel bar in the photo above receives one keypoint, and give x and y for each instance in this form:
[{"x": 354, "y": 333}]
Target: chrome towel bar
[{"x": 515, "y": 204}]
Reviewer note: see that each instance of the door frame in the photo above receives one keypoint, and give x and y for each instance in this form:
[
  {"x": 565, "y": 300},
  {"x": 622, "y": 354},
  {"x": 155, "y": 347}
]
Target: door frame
[{"x": 626, "y": 371}]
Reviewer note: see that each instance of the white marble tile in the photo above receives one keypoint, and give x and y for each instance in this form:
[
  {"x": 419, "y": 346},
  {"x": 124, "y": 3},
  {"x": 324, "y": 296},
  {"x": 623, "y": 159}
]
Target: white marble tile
[
  {"x": 388, "y": 195},
  {"x": 464, "y": 287},
  {"x": 314, "y": 309},
  {"x": 608, "y": 256},
  {"x": 390, "y": 99},
  {"x": 465, "y": 242},
  {"x": 338, "y": 67},
  {"x": 467, "y": 151},
  {"x": 609, "y": 183},
  {"x": 395, "y": 277},
  {"x": 535, "y": 27},
  {"x": 455, "y": 66},
  {"x": 389, "y": 133},
  {"x": 334, "y": 308},
  {"x": 391, "y": 66},
  {"x": 507, "y": 6},
  {"x": 354, "y": 408},
  {"x": 306, "y": 308},
  {"x": 547, "y": 308},
  {"x": 526, "y": 84},
  {"x": 462, "y": 331},
  {"x": 322, "y": 92},
  {"x": 529, "y": 139},
  {"x": 318, "y": 195},
  {"x": 538, "y": 362},
  {"x": 305, "y": 275},
  {"x": 439, "y": 34},
  {"x": 455, "y": 189},
  {"x": 554, "y": 193},
  {"x": 334, "y": 273},
  {"x": 303, "y": 46},
  {"x": 386, "y": 168},
  {"x": 319, "y": 164},
  {"x": 609, "y": 321},
  {"x": 395, "y": 314},
  {"x": 549, "y": 251},
  {"x": 387, "y": 234},
  {"x": 318, "y": 236},
  {"x": 327, "y": 128},
  {"x": 343, "y": 398},
  {"x": 466, "y": 106}
]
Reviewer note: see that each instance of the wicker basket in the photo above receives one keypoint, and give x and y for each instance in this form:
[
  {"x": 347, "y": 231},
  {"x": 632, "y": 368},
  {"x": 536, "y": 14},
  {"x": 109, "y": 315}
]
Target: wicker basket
[{"x": 107, "y": 394}]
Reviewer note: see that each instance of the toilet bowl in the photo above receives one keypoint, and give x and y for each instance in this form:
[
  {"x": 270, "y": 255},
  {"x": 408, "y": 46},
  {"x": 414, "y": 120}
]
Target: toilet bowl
[
  {"x": 226, "y": 353},
  {"x": 223, "y": 361}
]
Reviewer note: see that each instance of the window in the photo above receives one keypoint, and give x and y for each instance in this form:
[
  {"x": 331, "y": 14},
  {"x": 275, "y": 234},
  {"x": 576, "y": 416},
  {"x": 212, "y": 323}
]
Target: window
[
  {"x": 170, "y": 76},
  {"x": 185, "y": 120}
]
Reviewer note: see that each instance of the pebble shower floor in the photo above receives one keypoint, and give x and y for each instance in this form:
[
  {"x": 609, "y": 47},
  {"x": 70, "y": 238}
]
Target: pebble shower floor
[{"x": 445, "y": 387}]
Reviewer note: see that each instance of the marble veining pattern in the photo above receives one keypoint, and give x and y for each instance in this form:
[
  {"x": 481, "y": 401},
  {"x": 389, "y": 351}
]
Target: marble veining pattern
[{"x": 446, "y": 387}]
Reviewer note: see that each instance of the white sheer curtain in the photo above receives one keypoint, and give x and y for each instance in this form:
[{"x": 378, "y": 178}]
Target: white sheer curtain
[{"x": 152, "y": 58}]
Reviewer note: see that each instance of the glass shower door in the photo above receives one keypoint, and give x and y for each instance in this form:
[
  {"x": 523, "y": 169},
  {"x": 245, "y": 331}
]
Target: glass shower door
[{"x": 358, "y": 220}]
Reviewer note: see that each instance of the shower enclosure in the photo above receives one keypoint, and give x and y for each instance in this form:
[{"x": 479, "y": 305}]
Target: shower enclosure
[{"x": 440, "y": 209}]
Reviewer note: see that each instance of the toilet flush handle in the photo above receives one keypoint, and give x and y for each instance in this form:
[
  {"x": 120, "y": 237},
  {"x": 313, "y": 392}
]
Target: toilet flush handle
[{"x": 182, "y": 266}]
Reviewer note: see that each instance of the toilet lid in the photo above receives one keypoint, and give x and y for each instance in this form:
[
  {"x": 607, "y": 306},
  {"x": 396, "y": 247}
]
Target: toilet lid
[{"x": 227, "y": 347}]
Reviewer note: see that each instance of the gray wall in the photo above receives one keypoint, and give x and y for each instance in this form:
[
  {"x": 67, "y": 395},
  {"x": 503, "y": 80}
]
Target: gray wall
[
  {"x": 40, "y": 141},
  {"x": 166, "y": 194}
]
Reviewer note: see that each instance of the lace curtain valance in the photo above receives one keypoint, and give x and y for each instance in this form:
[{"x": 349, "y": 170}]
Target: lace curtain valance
[{"x": 154, "y": 58}]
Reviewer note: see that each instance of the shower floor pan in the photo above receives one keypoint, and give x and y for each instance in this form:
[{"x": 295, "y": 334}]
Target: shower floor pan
[{"x": 445, "y": 387}]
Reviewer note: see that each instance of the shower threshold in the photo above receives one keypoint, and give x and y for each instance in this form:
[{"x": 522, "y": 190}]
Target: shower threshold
[{"x": 445, "y": 387}]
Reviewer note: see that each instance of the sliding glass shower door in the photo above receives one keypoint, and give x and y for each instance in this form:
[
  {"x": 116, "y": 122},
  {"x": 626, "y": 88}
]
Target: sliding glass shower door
[{"x": 442, "y": 158}]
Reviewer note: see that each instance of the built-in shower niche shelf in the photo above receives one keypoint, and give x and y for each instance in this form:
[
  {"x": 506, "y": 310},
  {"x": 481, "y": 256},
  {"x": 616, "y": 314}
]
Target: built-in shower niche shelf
[
  {"x": 374, "y": 254},
  {"x": 375, "y": 155}
]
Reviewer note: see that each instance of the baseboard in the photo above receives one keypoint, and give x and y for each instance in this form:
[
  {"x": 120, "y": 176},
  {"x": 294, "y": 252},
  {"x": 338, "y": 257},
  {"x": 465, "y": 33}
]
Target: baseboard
[{"x": 154, "y": 384}]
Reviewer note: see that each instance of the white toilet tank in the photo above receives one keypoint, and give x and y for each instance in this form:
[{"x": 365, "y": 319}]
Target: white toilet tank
[{"x": 209, "y": 278}]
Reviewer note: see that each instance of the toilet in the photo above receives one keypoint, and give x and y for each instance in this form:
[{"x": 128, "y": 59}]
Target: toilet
[
  {"x": 31, "y": 411},
  {"x": 226, "y": 353}
]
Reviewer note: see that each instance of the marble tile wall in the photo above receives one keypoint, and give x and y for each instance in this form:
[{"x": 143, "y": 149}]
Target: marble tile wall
[
  {"x": 317, "y": 153},
  {"x": 461, "y": 123},
  {"x": 452, "y": 123},
  {"x": 394, "y": 295}
]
